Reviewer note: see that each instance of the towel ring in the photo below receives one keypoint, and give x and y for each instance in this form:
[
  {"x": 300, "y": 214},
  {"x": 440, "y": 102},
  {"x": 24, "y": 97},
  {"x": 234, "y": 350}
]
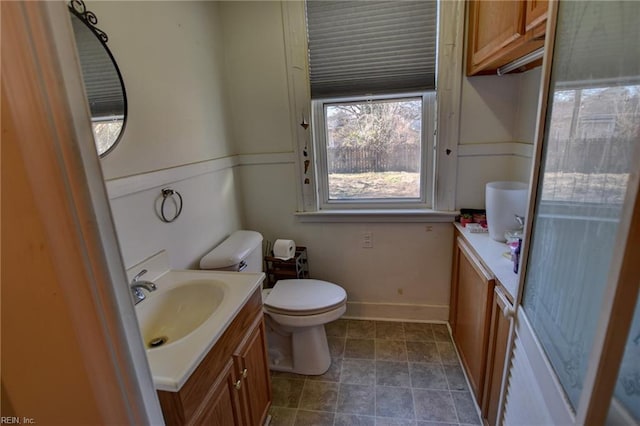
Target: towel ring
[{"x": 169, "y": 193}]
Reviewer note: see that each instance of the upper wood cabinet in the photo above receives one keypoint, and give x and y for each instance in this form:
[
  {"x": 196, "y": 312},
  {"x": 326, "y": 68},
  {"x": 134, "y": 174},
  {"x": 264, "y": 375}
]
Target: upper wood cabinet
[
  {"x": 536, "y": 14},
  {"x": 499, "y": 32}
]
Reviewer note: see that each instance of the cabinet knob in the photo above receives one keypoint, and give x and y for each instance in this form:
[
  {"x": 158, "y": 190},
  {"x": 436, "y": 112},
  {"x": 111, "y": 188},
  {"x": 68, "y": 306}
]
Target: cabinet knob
[
  {"x": 244, "y": 373},
  {"x": 238, "y": 385}
]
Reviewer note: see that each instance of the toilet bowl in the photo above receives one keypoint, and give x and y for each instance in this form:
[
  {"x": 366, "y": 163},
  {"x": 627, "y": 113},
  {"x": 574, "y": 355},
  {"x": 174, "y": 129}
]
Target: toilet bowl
[{"x": 296, "y": 310}]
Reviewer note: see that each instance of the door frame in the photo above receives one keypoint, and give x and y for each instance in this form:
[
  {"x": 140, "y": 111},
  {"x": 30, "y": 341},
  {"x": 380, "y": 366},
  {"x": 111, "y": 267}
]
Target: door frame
[{"x": 51, "y": 127}]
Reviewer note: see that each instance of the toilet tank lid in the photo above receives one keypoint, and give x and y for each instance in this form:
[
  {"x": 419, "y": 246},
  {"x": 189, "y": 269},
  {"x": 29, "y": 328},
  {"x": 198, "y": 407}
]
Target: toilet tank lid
[{"x": 232, "y": 251}]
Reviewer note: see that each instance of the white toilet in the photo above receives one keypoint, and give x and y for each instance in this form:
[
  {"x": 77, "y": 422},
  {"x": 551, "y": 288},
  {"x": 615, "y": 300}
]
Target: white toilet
[{"x": 295, "y": 310}]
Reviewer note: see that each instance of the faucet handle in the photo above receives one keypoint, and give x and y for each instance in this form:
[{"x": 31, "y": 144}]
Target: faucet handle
[
  {"x": 138, "y": 275},
  {"x": 520, "y": 220}
]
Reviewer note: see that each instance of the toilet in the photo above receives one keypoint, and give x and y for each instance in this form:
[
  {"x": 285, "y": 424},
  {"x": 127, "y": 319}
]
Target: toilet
[{"x": 296, "y": 310}]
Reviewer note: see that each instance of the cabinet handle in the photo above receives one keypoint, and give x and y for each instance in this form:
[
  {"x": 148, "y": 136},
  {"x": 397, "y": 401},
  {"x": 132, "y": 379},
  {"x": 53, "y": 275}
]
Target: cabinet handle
[
  {"x": 244, "y": 373},
  {"x": 238, "y": 385}
]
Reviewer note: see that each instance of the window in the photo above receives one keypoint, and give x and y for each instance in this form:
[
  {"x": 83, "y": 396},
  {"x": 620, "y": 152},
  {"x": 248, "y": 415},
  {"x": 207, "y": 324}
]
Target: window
[
  {"x": 372, "y": 75},
  {"x": 374, "y": 151},
  {"x": 106, "y": 130}
]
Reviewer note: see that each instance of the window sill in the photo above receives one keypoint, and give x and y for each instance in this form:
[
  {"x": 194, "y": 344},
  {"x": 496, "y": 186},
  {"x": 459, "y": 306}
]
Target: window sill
[{"x": 378, "y": 216}]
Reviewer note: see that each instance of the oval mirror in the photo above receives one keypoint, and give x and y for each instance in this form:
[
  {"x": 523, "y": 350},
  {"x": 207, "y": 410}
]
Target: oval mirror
[{"x": 102, "y": 79}]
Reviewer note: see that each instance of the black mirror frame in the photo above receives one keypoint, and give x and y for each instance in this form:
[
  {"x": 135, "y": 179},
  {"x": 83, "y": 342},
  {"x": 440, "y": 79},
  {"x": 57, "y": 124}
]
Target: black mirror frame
[{"x": 78, "y": 8}]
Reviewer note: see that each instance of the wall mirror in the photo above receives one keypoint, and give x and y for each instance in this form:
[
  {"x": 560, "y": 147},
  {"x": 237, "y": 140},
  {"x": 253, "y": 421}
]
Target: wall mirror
[{"x": 102, "y": 79}]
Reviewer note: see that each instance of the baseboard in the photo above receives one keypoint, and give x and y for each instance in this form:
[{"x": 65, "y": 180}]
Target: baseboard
[{"x": 397, "y": 312}]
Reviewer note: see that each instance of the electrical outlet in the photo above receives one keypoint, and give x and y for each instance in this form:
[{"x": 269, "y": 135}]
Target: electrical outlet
[{"x": 367, "y": 239}]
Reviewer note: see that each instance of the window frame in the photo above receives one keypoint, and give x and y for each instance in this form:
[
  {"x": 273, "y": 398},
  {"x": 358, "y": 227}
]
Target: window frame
[
  {"x": 319, "y": 126},
  {"x": 449, "y": 78}
]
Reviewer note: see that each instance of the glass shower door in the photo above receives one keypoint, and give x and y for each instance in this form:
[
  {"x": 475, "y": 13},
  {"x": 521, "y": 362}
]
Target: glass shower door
[
  {"x": 625, "y": 403},
  {"x": 592, "y": 132}
]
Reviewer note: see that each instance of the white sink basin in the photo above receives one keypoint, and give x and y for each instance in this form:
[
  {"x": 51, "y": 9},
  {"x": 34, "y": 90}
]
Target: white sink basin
[
  {"x": 191, "y": 309},
  {"x": 173, "y": 314}
]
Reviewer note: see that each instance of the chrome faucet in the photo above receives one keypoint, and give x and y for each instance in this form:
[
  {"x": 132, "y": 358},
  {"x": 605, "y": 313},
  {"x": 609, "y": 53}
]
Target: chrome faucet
[{"x": 137, "y": 285}]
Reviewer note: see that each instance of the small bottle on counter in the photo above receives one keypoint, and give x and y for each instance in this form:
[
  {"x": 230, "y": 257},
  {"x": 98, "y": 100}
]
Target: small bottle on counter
[{"x": 515, "y": 255}]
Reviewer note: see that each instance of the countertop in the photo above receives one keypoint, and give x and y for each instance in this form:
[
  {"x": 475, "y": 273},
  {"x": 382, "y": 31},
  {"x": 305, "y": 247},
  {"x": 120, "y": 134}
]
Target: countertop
[
  {"x": 172, "y": 365},
  {"x": 491, "y": 253}
]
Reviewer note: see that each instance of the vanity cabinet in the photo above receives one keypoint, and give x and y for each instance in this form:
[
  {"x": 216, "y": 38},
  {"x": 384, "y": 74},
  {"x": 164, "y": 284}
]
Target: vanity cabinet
[
  {"x": 499, "y": 32},
  {"x": 251, "y": 363},
  {"x": 480, "y": 317},
  {"x": 472, "y": 289},
  {"x": 232, "y": 385},
  {"x": 501, "y": 317},
  {"x": 224, "y": 405}
]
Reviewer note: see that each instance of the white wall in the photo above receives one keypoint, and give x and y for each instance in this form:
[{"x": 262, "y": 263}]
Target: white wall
[
  {"x": 405, "y": 275},
  {"x": 528, "y": 98},
  {"x": 236, "y": 101},
  {"x": 172, "y": 61},
  {"x": 496, "y": 116},
  {"x": 497, "y": 131},
  {"x": 407, "y": 272},
  {"x": 211, "y": 211},
  {"x": 257, "y": 79},
  {"x": 488, "y": 113},
  {"x": 170, "y": 57}
]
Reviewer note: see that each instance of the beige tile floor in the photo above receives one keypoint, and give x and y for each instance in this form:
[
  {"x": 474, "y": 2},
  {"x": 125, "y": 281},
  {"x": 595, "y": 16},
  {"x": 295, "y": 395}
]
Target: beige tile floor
[{"x": 382, "y": 374}]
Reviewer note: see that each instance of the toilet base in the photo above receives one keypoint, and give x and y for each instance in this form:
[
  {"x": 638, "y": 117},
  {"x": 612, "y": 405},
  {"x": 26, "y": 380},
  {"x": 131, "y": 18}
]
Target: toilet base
[{"x": 305, "y": 351}]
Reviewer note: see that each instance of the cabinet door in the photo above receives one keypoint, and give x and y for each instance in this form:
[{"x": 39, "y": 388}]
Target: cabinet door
[
  {"x": 501, "y": 314},
  {"x": 252, "y": 365},
  {"x": 536, "y": 13},
  {"x": 474, "y": 290},
  {"x": 492, "y": 26},
  {"x": 223, "y": 404}
]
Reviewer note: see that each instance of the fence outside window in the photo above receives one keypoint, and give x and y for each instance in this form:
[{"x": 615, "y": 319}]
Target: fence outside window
[{"x": 397, "y": 158}]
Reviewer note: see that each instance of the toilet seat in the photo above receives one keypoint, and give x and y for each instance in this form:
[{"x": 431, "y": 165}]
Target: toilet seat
[{"x": 302, "y": 297}]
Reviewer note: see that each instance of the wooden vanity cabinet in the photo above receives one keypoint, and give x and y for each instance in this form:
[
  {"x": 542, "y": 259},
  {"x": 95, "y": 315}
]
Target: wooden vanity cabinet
[
  {"x": 232, "y": 385},
  {"x": 501, "y": 317},
  {"x": 480, "y": 317},
  {"x": 251, "y": 363},
  {"x": 499, "y": 32},
  {"x": 472, "y": 290},
  {"x": 223, "y": 406}
]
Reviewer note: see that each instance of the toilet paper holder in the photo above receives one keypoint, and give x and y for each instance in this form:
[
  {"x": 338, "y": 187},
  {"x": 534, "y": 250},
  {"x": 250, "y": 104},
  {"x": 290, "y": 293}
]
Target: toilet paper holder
[{"x": 278, "y": 269}]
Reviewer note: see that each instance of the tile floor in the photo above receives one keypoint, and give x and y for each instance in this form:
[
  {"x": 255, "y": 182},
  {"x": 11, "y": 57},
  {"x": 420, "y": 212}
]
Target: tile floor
[{"x": 383, "y": 373}]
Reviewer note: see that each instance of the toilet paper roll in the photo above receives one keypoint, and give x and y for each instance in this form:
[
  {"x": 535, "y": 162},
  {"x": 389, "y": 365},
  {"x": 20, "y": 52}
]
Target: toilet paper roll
[{"x": 284, "y": 249}]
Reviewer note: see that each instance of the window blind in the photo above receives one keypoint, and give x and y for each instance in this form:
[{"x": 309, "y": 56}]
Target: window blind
[
  {"x": 371, "y": 47},
  {"x": 101, "y": 80}
]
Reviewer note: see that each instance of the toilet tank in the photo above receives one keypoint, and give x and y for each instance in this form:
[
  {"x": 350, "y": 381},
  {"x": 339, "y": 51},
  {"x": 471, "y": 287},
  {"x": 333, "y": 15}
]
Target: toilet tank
[{"x": 241, "y": 251}]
